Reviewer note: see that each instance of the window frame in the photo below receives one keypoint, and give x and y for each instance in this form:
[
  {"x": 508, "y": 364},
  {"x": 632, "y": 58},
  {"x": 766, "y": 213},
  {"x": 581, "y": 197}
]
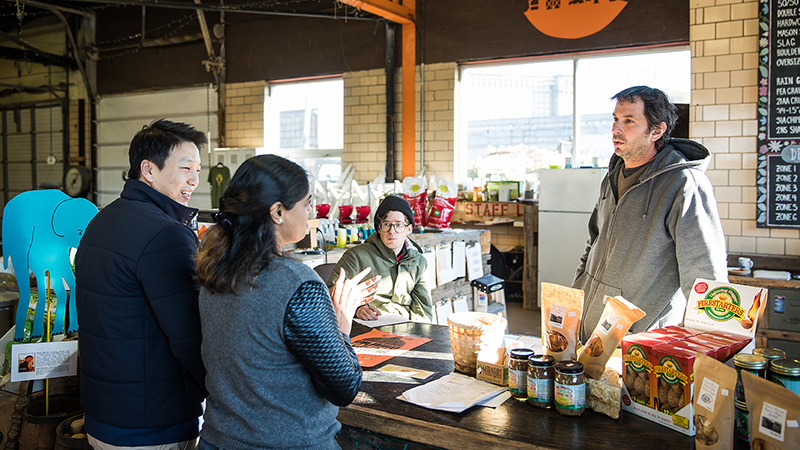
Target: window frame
[
  {"x": 460, "y": 165},
  {"x": 296, "y": 153}
]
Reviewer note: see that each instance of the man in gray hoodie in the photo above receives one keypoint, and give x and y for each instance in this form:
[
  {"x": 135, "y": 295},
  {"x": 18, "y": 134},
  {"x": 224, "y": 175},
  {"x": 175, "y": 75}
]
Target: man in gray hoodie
[{"x": 655, "y": 228}]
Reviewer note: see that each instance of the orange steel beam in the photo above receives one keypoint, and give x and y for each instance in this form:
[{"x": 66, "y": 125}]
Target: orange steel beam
[
  {"x": 408, "y": 138},
  {"x": 403, "y": 14},
  {"x": 387, "y": 9}
]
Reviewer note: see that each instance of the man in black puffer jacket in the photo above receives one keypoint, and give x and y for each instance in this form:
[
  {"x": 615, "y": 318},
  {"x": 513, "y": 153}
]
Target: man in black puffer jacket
[{"x": 142, "y": 377}]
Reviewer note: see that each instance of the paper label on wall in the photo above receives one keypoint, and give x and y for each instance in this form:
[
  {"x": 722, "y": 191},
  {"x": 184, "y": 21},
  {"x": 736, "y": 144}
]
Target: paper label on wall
[
  {"x": 430, "y": 271},
  {"x": 44, "y": 360},
  {"x": 444, "y": 264},
  {"x": 459, "y": 259},
  {"x": 474, "y": 261}
]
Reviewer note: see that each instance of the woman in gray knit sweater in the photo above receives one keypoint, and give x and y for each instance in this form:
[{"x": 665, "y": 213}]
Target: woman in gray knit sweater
[{"x": 275, "y": 342}]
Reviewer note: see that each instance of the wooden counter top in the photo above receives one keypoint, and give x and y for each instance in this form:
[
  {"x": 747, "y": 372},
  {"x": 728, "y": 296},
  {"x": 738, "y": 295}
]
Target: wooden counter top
[
  {"x": 513, "y": 424},
  {"x": 764, "y": 282}
]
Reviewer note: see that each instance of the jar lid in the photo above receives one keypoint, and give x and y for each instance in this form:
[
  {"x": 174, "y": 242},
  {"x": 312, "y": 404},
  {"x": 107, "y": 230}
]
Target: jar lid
[
  {"x": 740, "y": 405},
  {"x": 569, "y": 367},
  {"x": 788, "y": 367},
  {"x": 746, "y": 361},
  {"x": 541, "y": 360},
  {"x": 521, "y": 353},
  {"x": 770, "y": 353}
]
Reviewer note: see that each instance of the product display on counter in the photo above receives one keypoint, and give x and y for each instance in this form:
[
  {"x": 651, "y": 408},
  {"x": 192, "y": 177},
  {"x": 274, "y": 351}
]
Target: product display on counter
[
  {"x": 604, "y": 395},
  {"x": 720, "y": 321},
  {"x": 617, "y": 318},
  {"x": 713, "y": 403},
  {"x": 773, "y": 414},
  {"x": 518, "y": 373},
  {"x": 541, "y": 372},
  {"x": 561, "y": 319},
  {"x": 570, "y": 388}
]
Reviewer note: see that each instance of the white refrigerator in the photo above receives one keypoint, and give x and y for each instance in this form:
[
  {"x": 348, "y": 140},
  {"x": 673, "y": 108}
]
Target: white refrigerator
[{"x": 566, "y": 200}]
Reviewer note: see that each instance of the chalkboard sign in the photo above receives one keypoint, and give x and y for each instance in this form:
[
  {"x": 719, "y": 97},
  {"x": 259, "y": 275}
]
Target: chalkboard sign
[{"x": 779, "y": 114}]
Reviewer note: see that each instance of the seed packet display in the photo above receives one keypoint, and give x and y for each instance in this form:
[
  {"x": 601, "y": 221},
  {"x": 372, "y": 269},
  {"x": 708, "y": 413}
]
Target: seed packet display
[
  {"x": 561, "y": 319},
  {"x": 618, "y": 316},
  {"x": 713, "y": 403},
  {"x": 774, "y": 414}
]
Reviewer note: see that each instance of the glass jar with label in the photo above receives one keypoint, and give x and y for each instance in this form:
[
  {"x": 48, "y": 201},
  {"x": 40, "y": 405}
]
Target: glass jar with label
[
  {"x": 755, "y": 364},
  {"x": 786, "y": 372},
  {"x": 570, "y": 388},
  {"x": 540, "y": 380},
  {"x": 518, "y": 373},
  {"x": 770, "y": 353},
  {"x": 741, "y": 426}
]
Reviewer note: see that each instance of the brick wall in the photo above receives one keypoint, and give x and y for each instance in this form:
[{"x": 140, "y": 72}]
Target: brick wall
[
  {"x": 724, "y": 44},
  {"x": 365, "y": 122},
  {"x": 244, "y": 114}
]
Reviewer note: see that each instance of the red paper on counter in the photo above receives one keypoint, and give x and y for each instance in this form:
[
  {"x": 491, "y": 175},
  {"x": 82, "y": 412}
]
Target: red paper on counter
[{"x": 377, "y": 346}]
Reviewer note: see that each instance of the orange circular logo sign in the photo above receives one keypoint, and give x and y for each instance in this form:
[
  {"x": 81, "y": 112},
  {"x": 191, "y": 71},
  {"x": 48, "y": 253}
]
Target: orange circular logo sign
[{"x": 573, "y": 19}]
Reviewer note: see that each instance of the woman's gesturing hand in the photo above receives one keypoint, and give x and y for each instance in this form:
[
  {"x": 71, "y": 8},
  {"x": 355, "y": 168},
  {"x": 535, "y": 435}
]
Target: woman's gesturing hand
[{"x": 348, "y": 294}]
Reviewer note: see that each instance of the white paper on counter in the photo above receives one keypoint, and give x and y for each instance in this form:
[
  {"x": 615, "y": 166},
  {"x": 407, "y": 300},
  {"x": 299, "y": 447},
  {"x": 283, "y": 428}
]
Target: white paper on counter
[
  {"x": 383, "y": 319},
  {"x": 452, "y": 393},
  {"x": 497, "y": 400},
  {"x": 474, "y": 262}
]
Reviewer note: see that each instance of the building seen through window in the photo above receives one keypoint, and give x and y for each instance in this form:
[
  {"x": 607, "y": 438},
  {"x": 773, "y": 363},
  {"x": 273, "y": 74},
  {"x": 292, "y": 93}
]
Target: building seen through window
[{"x": 520, "y": 117}]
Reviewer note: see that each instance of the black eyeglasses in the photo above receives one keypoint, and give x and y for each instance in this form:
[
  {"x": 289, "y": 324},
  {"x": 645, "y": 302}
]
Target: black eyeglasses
[{"x": 398, "y": 227}]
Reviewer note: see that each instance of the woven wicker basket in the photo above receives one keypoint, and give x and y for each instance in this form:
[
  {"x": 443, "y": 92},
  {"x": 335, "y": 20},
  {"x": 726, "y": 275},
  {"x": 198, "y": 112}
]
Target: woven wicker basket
[{"x": 471, "y": 332}]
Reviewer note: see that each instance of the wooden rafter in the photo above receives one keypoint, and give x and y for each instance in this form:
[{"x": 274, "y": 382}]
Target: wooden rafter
[{"x": 389, "y": 10}]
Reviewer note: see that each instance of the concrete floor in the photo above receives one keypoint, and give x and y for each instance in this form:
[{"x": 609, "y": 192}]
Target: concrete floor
[{"x": 523, "y": 321}]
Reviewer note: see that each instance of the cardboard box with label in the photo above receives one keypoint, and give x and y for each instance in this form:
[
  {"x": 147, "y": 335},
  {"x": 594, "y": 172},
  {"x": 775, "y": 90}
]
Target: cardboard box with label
[{"x": 720, "y": 319}]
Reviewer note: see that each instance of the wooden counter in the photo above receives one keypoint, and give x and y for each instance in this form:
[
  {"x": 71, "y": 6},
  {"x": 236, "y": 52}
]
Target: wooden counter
[
  {"x": 513, "y": 424},
  {"x": 784, "y": 335}
]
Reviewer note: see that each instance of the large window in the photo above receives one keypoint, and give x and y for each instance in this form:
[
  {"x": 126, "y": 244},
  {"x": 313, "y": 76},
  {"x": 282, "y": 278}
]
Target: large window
[
  {"x": 519, "y": 117},
  {"x": 304, "y": 122}
]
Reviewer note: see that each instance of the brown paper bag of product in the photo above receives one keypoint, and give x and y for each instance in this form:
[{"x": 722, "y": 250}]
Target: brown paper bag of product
[
  {"x": 774, "y": 414},
  {"x": 561, "y": 319},
  {"x": 618, "y": 316},
  {"x": 714, "y": 384}
]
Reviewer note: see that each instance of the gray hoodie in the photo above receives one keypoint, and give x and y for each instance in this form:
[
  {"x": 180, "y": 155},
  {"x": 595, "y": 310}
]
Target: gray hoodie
[{"x": 651, "y": 244}]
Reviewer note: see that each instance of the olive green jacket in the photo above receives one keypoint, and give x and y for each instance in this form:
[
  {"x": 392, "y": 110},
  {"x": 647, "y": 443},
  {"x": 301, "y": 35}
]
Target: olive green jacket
[{"x": 403, "y": 289}]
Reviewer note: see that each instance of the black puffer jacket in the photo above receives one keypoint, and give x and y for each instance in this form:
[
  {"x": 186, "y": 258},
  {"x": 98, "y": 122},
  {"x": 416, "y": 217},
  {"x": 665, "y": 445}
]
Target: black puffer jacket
[{"x": 137, "y": 308}]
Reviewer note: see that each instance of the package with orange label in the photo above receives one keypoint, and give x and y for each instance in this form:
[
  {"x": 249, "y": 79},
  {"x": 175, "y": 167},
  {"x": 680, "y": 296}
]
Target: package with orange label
[{"x": 561, "y": 319}]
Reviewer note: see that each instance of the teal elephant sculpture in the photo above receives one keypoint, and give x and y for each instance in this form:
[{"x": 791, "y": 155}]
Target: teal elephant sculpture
[{"x": 39, "y": 227}]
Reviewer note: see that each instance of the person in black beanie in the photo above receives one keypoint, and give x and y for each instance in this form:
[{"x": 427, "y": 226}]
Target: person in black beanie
[{"x": 399, "y": 260}]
